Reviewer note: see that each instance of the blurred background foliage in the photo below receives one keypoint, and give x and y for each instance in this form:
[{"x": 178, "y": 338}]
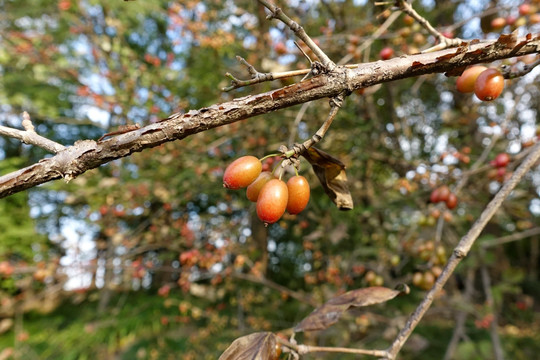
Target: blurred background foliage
[{"x": 149, "y": 257}]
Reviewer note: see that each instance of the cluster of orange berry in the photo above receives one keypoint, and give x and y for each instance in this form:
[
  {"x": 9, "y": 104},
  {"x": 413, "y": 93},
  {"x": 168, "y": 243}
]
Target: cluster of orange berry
[
  {"x": 271, "y": 194},
  {"x": 486, "y": 83}
]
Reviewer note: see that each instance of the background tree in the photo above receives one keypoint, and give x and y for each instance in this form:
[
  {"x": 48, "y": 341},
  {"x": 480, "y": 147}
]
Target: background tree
[{"x": 159, "y": 223}]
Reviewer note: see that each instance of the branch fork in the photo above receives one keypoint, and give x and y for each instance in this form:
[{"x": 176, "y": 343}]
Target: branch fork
[
  {"x": 30, "y": 136},
  {"x": 291, "y": 155},
  {"x": 444, "y": 42}
]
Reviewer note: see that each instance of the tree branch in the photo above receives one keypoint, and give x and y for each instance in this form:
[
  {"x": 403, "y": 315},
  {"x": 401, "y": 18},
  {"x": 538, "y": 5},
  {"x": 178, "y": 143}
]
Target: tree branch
[
  {"x": 306, "y": 349},
  {"x": 445, "y": 42},
  {"x": 509, "y": 74},
  {"x": 490, "y": 302},
  {"x": 88, "y": 154},
  {"x": 29, "y": 136},
  {"x": 300, "y": 33},
  {"x": 510, "y": 238},
  {"x": 264, "y": 281},
  {"x": 462, "y": 249}
]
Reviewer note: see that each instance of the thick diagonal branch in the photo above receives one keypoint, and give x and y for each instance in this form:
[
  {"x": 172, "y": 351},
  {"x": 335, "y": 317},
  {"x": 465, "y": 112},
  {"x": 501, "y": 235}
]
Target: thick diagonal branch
[
  {"x": 87, "y": 154},
  {"x": 462, "y": 249}
]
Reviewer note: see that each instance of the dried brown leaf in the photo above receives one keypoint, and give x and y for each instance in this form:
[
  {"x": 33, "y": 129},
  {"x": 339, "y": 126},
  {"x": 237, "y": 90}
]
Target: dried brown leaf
[
  {"x": 330, "y": 312},
  {"x": 256, "y": 346},
  {"x": 366, "y": 296},
  {"x": 332, "y": 175}
]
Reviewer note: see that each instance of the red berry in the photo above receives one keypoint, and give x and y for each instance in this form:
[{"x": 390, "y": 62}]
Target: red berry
[
  {"x": 452, "y": 201},
  {"x": 434, "y": 197},
  {"x": 489, "y": 85},
  {"x": 386, "y": 53},
  {"x": 511, "y": 20},
  {"x": 255, "y": 187},
  {"x": 272, "y": 201},
  {"x": 498, "y": 23},
  {"x": 524, "y": 9},
  {"x": 501, "y": 160},
  {"x": 242, "y": 172},
  {"x": 280, "y": 48},
  {"x": 448, "y": 34},
  {"x": 465, "y": 83},
  {"x": 298, "y": 188},
  {"x": 444, "y": 193}
]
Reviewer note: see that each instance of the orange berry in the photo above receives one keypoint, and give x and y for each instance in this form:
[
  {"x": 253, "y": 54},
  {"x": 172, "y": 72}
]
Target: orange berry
[
  {"x": 253, "y": 190},
  {"x": 242, "y": 172},
  {"x": 465, "y": 83},
  {"x": 298, "y": 188},
  {"x": 489, "y": 85},
  {"x": 272, "y": 201}
]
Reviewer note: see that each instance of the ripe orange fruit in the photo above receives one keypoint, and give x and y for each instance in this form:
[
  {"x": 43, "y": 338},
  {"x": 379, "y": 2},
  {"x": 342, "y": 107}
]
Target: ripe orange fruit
[
  {"x": 253, "y": 190},
  {"x": 242, "y": 172},
  {"x": 298, "y": 188},
  {"x": 272, "y": 201},
  {"x": 489, "y": 85},
  {"x": 465, "y": 83}
]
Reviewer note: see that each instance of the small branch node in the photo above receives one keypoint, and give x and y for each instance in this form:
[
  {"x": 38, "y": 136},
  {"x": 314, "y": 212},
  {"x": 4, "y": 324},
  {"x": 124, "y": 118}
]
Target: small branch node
[
  {"x": 303, "y": 349},
  {"x": 337, "y": 101},
  {"x": 460, "y": 254}
]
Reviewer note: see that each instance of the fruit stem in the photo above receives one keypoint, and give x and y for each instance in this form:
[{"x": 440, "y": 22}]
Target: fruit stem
[
  {"x": 289, "y": 154},
  {"x": 275, "y": 168},
  {"x": 268, "y": 156}
]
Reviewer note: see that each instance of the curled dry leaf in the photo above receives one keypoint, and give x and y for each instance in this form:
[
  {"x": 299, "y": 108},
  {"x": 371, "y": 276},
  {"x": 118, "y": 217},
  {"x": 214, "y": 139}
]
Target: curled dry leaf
[
  {"x": 330, "y": 312},
  {"x": 332, "y": 175},
  {"x": 256, "y": 346}
]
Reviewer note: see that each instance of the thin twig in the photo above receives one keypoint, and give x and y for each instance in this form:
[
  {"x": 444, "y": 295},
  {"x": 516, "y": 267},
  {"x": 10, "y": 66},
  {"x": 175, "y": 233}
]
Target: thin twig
[
  {"x": 297, "y": 119},
  {"x": 264, "y": 281},
  {"x": 389, "y": 21},
  {"x": 444, "y": 42},
  {"x": 299, "y": 31},
  {"x": 490, "y": 302},
  {"x": 298, "y": 149},
  {"x": 509, "y": 74},
  {"x": 487, "y": 12},
  {"x": 306, "y": 349},
  {"x": 29, "y": 136},
  {"x": 459, "y": 328},
  {"x": 462, "y": 249},
  {"x": 510, "y": 238},
  {"x": 258, "y": 77}
]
